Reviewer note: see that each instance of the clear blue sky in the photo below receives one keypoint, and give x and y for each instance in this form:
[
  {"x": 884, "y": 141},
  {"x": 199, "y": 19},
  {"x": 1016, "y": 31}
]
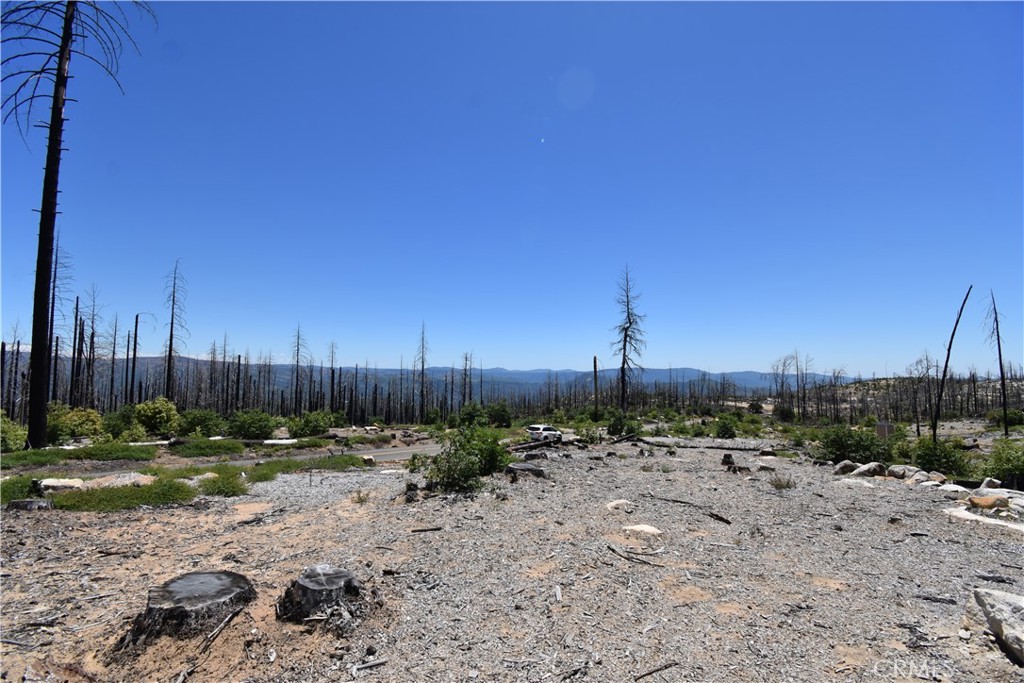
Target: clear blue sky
[{"x": 822, "y": 177}]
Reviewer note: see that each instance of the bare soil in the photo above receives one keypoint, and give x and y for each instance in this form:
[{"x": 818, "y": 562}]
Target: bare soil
[{"x": 536, "y": 579}]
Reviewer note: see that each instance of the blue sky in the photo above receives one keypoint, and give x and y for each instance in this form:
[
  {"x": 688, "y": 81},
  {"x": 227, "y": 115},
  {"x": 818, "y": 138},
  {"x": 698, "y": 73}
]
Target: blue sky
[{"x": 777, "y": 176}]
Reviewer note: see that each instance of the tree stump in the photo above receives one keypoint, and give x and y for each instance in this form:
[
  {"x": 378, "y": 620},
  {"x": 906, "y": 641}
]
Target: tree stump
[
  {"x": 322, "y": 593},
  {"x": 31, "y": 504},
  {"x": 189, "y": 604}
]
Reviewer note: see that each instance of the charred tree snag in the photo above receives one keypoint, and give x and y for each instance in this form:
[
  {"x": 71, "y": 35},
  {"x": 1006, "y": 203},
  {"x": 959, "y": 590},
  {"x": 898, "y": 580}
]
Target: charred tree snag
[
  {"x": 188, "y": 605},
  {"x": 323, "y": 593}
]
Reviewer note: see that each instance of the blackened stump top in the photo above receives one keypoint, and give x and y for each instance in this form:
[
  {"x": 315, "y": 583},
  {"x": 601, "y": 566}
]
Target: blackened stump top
[{"x": 198, "y": 588}]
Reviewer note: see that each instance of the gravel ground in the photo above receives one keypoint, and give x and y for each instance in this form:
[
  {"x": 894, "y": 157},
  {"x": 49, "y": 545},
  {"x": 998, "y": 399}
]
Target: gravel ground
[{"x": 540, "y": 579}]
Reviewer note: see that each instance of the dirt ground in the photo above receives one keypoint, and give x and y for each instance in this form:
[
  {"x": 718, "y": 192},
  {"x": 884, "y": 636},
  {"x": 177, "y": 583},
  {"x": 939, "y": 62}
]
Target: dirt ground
[{"x": 735, "y": 578}]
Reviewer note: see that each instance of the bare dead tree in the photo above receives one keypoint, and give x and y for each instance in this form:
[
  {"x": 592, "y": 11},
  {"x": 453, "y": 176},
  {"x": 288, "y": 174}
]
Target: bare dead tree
[
  {"x": 993, "y": 318},
  {"x": 421, "y": 360},
  {"x": 38, "y": 41},
  {"x": 629, "y": 343},
  {"x": 945, "y": 369},
  {"x": 176, "y": 294}
]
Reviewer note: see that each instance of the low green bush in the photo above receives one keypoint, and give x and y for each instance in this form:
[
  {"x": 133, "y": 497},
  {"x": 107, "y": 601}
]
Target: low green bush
[
  {"x": 469, "y": 452},
  {"x": 227, "y": 483},
  {"x": 1014, "y": 417},
  {"x": 159, "y": 417},
  {"x": 620, "y": 423},
  {"x": 161, "y": 492},
  {"x": 120, "y": 421},
  {"x": 110, "y": 451},
  {"x": 942, "y": 456},
  {"x": 199, "y": 448},
  {"x": 251, "y": 424},
  {"x": 1007, "y": 458},
  {"x": 784, "y": 413},
  {"x": 201, "y": 422},
  {"x": 268, "y": 471},
  {"x": 725, "y": 428},
  {"x": 859, "y": 445},
  {"x": 12, "y": 435},
  {"x": 313, "y": 423},
  {"x": 15, "y": 488},
  {"x": 36, "y": 458}
]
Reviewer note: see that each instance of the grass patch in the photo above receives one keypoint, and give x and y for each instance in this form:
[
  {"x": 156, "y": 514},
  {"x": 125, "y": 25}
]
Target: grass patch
[
  {"x": 787, "y": 454},
  {"x": 162, "y": 492},
  {"x": 54, "y": 456},
  {"x": 268, "y": 471},
  {"x": 335, "y": 462},
  {"x": 35, "y": 458},
  {"x": 371, "y": 439},
  {"x": 781, "y": 483},
  {"x": 111, "y": 451},
  {"x": 228, "y": 483},
  {"x": 199, "y": 448},
  {"x": 15, "y": 488}
]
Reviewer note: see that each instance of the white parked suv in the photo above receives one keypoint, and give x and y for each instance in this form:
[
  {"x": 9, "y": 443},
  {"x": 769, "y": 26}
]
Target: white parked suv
[{"x": 544, "y": 433}]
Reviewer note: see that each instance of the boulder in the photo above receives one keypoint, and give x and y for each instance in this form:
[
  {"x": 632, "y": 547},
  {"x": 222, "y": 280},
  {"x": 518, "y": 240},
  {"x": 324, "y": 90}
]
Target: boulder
[
  {"x": 988, "y": 502},
  {"x": 115, "y": 480},
  {"x": 44, "y": 486},
  {"x": 901, "y": 471},
  {"x": 937, "y": 476},
  {"x": 620, "y": 504},
  {"x": 1005, "y": 615},
  {"x": 845, "y": 467},
  {"x": 916, "y": 478},
  {"x": 643, "y": 529},
  {"x": 872, "y": 469},
  {"x": 990, "y": 483},
  {"x": 954, "y": 491}
]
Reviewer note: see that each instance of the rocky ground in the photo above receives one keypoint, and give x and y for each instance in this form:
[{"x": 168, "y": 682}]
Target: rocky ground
[{"x": 626, "y": 563}]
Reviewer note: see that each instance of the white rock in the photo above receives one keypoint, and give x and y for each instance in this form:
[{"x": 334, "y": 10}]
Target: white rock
[
  {"x": 619, "y": 504},
  {"x": 872, "y": 469},
  {"x": 115, "y": 480},
  {"x": 643, "y": 529},
  {"x": 855, "y": 482},
  {"x": 930, "y": 484},
  {"x": 991, "y": 483},
  {"x": 1005, "y": 615},
  {"x": 54, "y": 485},
  {"x": 953, "y": 490}
]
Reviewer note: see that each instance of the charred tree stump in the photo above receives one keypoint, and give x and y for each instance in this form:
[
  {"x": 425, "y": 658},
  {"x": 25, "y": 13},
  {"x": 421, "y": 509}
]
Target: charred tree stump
[
  {"x": 188, "y": 605},
  {"x": 323, "y": 593},
  {"x": 30, "y": 504}
]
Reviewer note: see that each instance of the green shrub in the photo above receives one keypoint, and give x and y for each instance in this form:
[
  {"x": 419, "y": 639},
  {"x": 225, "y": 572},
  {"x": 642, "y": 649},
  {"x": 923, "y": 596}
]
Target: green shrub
[
  {"x": 499, "y": 415},
  {"x": 1014, "y": 417},
  {"x": 843, "y": 443},
  {"x": 314, "y": 423},
  {"x": 58, "y": 432},
  {"x": 35, "y": 458},
  {"x": 14, "y": 488},
  {"x": 755, "y": 407},
  {"x": 1007, "y": 458},
  {"x": 110, "y": 451},
  {"x": 12, "y": 435},
  {"x": 198, "y": 448},
  {"x": 725, "y": 428},
  {"x": 201, "y": 422},
  {"x": 120, "y": 421},
  {"x": 267, "y": 471},
  {"x": 227, "y": 484},
  {"x": 84, "y": 422},
  {"x": 133, "y": 434},
  {"x": 620, "y": 423},
  {"x": 469, "y": 453},
  {"x": 163, "y": 491},
  {"x": 251, "y": 424},
  {"x": 159, "y": 416},
  {"x": 784, "y": 413},
  {"x": 941, "y": 456}
]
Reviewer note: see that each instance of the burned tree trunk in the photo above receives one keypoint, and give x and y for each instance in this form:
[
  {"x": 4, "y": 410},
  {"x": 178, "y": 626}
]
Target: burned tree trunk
[{"x": 188, "y": 605}]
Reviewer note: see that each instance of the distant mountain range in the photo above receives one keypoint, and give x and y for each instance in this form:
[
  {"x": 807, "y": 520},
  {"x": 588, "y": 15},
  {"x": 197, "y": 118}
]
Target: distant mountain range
[{"x": 501, "y": 378}]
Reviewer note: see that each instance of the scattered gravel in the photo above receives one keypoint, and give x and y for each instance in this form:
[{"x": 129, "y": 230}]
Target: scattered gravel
[{"x": 540, "y": 579}]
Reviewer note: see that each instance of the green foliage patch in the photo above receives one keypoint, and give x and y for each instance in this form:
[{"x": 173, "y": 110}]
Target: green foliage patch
[
  {"x": 251, "y": 424},
  {"x": 162, "y": 492},
  {"x": 158, "y": 417},
  {"x": 1007, "y": 458},
  {"x": 201, "y": 422},
  {"x": 15, "y": 488},
  {"x": 12, "y": 435},
  {"x": 941, "y": 456},
  {"x": 198, "y": 448},
  {"x": 313, "y": 423},
  {"x": 470, "y": 452}
]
